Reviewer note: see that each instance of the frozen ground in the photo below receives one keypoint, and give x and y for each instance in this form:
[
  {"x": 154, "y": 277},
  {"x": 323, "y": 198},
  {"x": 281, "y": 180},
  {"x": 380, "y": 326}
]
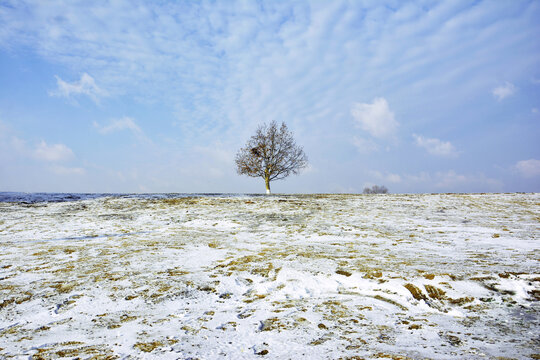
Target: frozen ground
[{"x": 281, "y": 277}]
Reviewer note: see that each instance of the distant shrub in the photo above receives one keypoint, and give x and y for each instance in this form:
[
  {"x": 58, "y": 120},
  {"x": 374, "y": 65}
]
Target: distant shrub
[{"x": 375, "y": 189}]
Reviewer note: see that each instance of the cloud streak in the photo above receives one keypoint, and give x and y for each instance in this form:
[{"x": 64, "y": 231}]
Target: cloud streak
[
  {"x": 85, "y": 86},
  {"x": 115, "y": 125},
  {"x": 68, "y": 171},
  {"x": 435, "y": 146}
]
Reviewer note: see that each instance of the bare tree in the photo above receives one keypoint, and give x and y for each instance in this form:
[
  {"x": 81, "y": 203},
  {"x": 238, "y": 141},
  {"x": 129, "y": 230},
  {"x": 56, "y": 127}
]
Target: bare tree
[
  {"x": 375, "y": 189},
  {"x": 271, "y": 154}
]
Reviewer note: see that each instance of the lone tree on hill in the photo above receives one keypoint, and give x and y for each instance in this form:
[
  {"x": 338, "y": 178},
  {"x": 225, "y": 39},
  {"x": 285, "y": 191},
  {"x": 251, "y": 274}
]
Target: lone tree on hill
[{"x": 271, "y": 154}]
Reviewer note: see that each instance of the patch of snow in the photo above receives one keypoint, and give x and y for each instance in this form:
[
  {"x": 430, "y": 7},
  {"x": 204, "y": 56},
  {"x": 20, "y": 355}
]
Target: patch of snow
[{"x": 247, "y": 277}]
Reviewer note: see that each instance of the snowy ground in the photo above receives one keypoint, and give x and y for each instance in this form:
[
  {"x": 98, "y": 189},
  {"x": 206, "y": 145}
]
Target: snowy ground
[{"x": 281, "y": 277}]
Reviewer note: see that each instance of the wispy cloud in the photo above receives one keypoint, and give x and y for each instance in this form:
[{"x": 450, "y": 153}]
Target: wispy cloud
[
  {"x": 85, "y": 86},
  {"x": 18, "y": 149},
  {"x": 52, "y": 153},
  {"x": 528, "y": 168},
  {"x": 65, "y": 170},
  {"x": 435, "y": 146},
  {"x": 125, "y": 123},
  {"x": 503, "y": 91},
  {"x": 385, "y": 177},
  {"x": 451, "y": 180},
  {"x": 375, "y": 118},
  {"x": 454, "y": 181},
  {"x": 364, "y": 146}
]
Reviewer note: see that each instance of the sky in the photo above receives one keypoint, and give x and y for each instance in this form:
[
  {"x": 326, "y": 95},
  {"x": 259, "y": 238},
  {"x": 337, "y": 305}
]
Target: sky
[{"x": 158, "y": 96}]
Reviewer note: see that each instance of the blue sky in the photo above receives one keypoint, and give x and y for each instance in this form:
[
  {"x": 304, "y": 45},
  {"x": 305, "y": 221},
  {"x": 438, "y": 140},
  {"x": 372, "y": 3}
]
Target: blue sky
[{"x": 144, "y": 96}]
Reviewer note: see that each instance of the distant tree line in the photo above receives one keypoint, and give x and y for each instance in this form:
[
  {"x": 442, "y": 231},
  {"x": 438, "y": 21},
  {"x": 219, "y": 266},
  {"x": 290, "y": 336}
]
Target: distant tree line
[{"x": 376, "y": 189}]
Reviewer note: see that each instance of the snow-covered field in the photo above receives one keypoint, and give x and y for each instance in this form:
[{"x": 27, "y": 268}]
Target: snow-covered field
[{"x": 281, "y": 277}]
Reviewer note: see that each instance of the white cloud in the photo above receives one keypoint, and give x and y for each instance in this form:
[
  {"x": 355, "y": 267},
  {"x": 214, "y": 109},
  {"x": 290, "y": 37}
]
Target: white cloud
[
  {"x": 385, "y": 177},
  {"x": 63, "y": 170},
  {"x": 52, "y": 153},
  {"x": 528, "y": 168},
  {"x": 11, "y": 148},
  {"x": 435, "y": 146},
  {"x": 16, "y": 148},
  {"x": 213, "y": 161},
  {"x": 503, "y": 91},
  {"x": 10, "y": 145},
  {"x": 420, "y": 178},
  {"x": 364, "y": 146},
  {"x": 375, "y": 118},
  {"x": 393, "y": 178},
  {"x": 125, "y": 123},
  {"x": 85, "y": 86},
  {"x": 217, "y": 152},
  {"x": 452, "y": 181}
]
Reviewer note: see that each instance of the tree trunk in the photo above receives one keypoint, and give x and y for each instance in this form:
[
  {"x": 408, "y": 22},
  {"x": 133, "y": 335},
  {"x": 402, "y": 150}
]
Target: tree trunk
[{"x": 267, "y": 182}]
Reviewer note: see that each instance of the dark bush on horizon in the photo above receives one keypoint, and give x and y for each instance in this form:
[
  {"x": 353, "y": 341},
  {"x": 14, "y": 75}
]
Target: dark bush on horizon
[{"x": 375, "y": 189}]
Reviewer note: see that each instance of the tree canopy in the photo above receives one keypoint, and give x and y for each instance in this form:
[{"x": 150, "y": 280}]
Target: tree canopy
[{"x": 271, "y": 154}]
